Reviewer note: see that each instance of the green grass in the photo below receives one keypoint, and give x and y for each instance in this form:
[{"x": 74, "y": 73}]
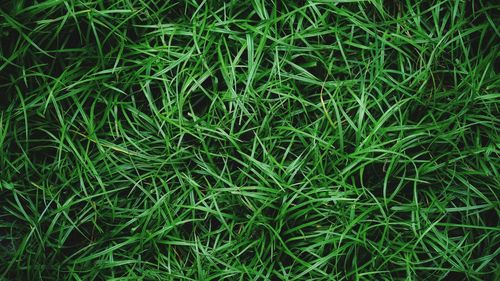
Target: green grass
[{"x": 249, "y": 140}]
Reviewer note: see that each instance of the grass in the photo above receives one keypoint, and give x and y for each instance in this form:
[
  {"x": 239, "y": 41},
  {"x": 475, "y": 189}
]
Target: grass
[{"x": 249, "y": 140}]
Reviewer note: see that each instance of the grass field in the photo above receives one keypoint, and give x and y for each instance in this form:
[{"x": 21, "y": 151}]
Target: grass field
[{"x": 249, "y": 140}]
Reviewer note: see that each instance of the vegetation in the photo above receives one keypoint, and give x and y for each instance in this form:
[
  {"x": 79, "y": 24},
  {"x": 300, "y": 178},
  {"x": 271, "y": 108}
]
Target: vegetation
[{"x": 249, "y": 140}]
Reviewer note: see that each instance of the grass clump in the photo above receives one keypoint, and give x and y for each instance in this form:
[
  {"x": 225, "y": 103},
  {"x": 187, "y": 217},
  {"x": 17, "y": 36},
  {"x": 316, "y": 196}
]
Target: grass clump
[{"x": 249, "y": 140}]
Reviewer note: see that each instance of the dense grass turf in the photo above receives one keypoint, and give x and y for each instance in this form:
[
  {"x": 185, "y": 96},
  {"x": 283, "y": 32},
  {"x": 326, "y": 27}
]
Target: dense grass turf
[{"x": 249, "y": 140}]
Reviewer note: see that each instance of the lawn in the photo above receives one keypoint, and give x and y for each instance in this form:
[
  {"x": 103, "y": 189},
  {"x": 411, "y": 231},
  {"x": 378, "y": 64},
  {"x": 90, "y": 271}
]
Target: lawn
[{"x": 249, "y": 140}]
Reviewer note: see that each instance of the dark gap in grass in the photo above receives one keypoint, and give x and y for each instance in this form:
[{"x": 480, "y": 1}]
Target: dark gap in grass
[
  {"x": 295, "y": 4},
  {"x": 420, "y": 151},
  {"x": 477, "y": 39},
  {"x": 7, "y": 249},
  {"x": 72, "y": 38},
  {"x": 370, "y": 176},
  {"x": 133, "y": 33},
  {"x": 80, "y": 36},
  {"x": 215, "y": 83},
  {"x": 54, "y": 67},
  {"x": 403, "y": 215},
  {"x": 328, "y": 40},
  {"x": 241, "y": 132},
  {"x": 374, "y": 234},
  {"x": 233, "y": 163},
  {"x": 245, "y": 135},
  {"x": 456, "y": 275},
  {"x": 239, "y": 210},
  {"x": 10, "y": 233},
  {"x": 8, "y": 7},
  {"x": 483, "y": 248},
  {"x": 291, "y": 224},
  {"x": 394, "y": 7},
  {"x": 16, "y": 274},
  {"x": 66, "y": 40},
  {"x": 394, "y": 270},
  {"x": 496, "y": 65},
  {"x": 405, "y": 192},
  {"x": 357, "y": 256},
  {"x": 213, "y": 223},
  {"x": 480, "y": 132},
  {"x": 349, "y": 147},
  {"x": 9, "y": 71},
  {"x": 455, "y": 232},
  {"x": 285, "y": 259},
  {"x": 275, "y": 277},
  {"x": 245, "y": 12},
  {"x": 454, "y": 217},
  {"x": 138, "y": 97},
  {"x": 491, "y": 217},
  {"x": 177, "y": 13},
  {"x": 189, "y": 139},
  {"x": 443, "y": 79},
  {"x": 316, "y": 67},
  {"x": 12, "y": 150},
  {"x": 270, "y": 213},
  {"x": 5, "y": 94},
  {"x": 9, "y": 37},
  {"x": 199, "y": 103},
  {"x": 110, "y": 47},
  {"x": 77, "y": 239}
]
